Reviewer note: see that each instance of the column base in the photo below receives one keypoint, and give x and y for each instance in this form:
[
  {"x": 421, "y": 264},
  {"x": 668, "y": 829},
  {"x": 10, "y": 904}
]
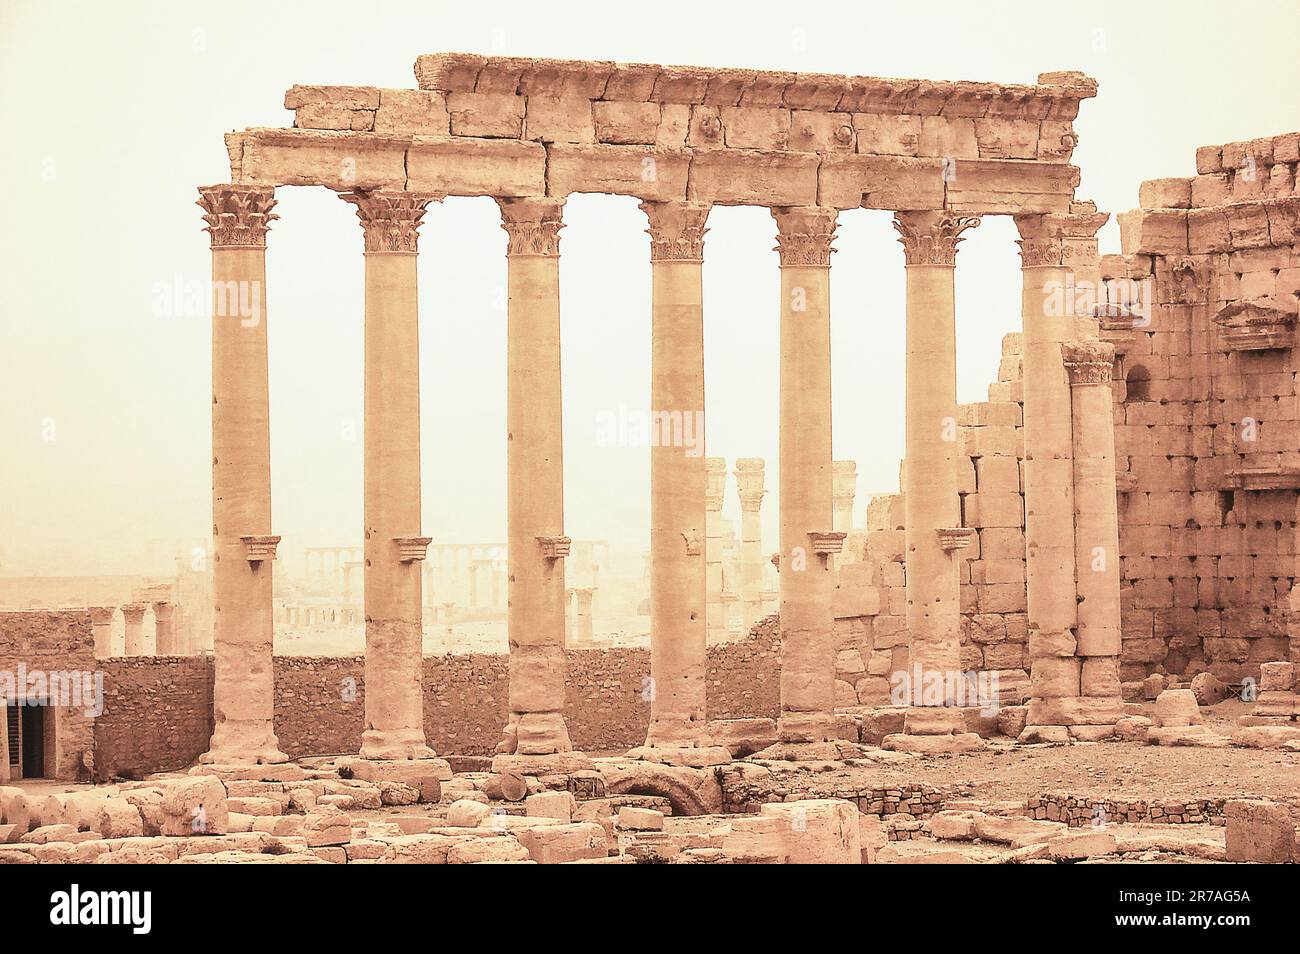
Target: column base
[
  {"x": 1044, "y": 734},
  {"x": 1075, "y": 710},
  {"x": 243, "y": 745},
  {"x": 933, "y": 720},
  {"x": 535, "y": 733},
  {"x": 701, "y": 756},
  {"x": 398, "y": 745},
  {"x": 815, "y": 727}
]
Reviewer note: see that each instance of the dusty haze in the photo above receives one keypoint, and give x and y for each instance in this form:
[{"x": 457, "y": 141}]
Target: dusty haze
[{"x": 105, "y": 383}]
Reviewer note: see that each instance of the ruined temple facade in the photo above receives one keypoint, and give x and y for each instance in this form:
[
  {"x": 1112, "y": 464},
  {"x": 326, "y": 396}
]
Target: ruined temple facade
[{"x": 528, "y": 133}]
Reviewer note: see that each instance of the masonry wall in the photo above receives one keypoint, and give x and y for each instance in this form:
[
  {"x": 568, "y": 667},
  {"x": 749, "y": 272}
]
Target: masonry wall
[
  {"x": 157, "y": 714},
  {"x": 44, "y": 642},
  {"x": 1207, "y": 424}
]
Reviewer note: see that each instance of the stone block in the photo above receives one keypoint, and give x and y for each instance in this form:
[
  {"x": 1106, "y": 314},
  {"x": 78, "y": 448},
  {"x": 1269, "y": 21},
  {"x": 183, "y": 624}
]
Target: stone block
[
  {"x": 1259, "y": 831},
  {"x": 818, "y": 831},
  {"x": 555, "y": 844}
]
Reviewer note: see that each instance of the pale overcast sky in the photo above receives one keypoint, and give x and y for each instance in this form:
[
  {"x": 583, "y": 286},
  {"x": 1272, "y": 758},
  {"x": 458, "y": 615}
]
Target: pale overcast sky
[{"x": 114, "y": 113}]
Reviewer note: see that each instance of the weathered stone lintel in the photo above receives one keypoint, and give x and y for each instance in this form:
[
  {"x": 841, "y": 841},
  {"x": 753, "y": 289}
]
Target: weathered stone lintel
[{"x": 464, "y": 166}]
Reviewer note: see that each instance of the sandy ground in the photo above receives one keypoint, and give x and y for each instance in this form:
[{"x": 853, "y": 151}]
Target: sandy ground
[{"x": 1121, "y": 770}]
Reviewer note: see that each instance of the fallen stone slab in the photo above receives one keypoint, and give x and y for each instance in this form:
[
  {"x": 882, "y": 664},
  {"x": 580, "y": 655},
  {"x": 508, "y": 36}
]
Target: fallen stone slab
[
  {"x": 1259, "y": 831},
  {"x": 1077, "y": 845},
  {"x": 1017, "y": 831},
  {"x": 553, "y": 844},
  {"x": 818, "y": 830}
]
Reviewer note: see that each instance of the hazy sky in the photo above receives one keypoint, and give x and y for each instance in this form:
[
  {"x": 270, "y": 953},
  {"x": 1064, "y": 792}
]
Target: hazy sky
[{"x": 114, "y": 113}]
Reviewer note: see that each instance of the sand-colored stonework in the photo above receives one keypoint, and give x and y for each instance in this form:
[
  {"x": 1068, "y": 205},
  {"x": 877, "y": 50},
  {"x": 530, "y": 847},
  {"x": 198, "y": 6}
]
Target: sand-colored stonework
[{"x": 1103, "y": 552}]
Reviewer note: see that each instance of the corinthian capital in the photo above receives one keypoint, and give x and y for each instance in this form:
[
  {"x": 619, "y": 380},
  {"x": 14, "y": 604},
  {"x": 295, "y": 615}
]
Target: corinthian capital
[
  {"x": 1088, "y": 361},
  {"x": 533, "y": 225},
  {"x": 1061, "y": 239},
  {"x": 930, "y": 238},
  {"x": 804, "y": 234},
  {"x": 391, "y": 220},
  {"x": 237, "y": 216},
  {"x": 676, "y": 230}
]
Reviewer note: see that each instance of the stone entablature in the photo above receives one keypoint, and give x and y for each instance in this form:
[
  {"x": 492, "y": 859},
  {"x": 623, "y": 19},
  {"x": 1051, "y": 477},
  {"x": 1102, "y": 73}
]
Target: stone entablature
[{"x": 509, "y": 127}]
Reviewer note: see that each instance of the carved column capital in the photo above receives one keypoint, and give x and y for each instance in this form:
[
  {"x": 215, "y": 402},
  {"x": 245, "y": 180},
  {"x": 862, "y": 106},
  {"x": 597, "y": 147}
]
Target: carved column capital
[
  {"x": 676, "y": 230},
  {"x": 391, "y": 220},
  {"x": 749, "y": 483},
  {"x": 533, "y": 225},
  {"x": 715, "y": 469},
  {"x": 930, "y": 238},
  {"x": 804, "y": 234},
  {"x": 1088, "y": 361},
  {"x": 238, "y": 216},
  {"x": 1060, "y": 239}
]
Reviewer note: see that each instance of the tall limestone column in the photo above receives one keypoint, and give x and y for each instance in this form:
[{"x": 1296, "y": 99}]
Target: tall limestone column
[
  {"x": 749, "y": 483},
  {"x": 394, "y": 549},
  {"x": 716, "y": 479},
  {"x": 243, "y": 547},
  {"x": 679, "y": 485},
  {"x": 101, "y": 627},
  {"x": 1049, "y": 245},
  {"x": 845, "y": 478},
  {"x": 165, "y": 629},
  {"x": 933, "y": 511},
  {"x": 1089, "y": 363},
  {"x": 536, "y": 545},
  {"x": 808, "y": 649},
  {"x": 133, "y": 618}
]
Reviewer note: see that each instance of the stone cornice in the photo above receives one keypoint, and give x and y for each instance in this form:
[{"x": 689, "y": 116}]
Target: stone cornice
[
  {"x": 533, "y": 225},
  {"x": 1056, "y": 96},
  {"x": 391, "y": 220},
  {"x": 676, "y": 230},
  {"x": 930, "y": 238},
  {"x": 804, "y": 235},
  {"x": 238, "y": 216}
]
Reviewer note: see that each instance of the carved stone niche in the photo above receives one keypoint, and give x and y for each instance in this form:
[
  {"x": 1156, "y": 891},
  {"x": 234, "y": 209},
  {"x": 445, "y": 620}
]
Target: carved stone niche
[{"x": 1262, "y": 324}]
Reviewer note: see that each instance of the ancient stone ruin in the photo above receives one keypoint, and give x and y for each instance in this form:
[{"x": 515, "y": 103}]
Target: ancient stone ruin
[{"x": 1095, "y": 566}]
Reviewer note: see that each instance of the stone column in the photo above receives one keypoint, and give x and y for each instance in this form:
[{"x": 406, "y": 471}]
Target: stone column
[
  {"x": 933, "y": 510},
  {"x": 749, "y": 484},
  {"x": 1047, "y": 244},
  {"x": 164, "y": 629},
  {"x": 101, "y": 625},
  {"x": 1096, "y": 535},
  {"x": 716, "y": 489},
  {"x": 682, "y": 486},
  {"x": 808, "y": 649},
  {"x": 583, "y": 633},
  {"x": 536, "y": 544},
  {"x": 243, "y": 548},
  {"x": 133, "y": 615},
  {"x": 393, "y": 546},
  {"x": 845, "y": 482}
]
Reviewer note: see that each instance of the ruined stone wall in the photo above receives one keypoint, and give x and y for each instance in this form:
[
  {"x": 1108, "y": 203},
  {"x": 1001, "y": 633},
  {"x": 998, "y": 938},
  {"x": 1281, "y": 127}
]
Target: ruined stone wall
[
  {"x": 45, "y": 642},
  {"x": 1207, "y": 444},
  {"x": 320, "y": 701},
  {"x": 870, "y": 602},
  {"x": 157, "y": 714}
]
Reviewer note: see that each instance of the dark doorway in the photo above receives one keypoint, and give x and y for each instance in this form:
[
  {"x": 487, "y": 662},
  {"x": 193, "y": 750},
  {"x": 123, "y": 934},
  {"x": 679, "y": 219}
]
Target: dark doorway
[{"x": 33, "y": 741}]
